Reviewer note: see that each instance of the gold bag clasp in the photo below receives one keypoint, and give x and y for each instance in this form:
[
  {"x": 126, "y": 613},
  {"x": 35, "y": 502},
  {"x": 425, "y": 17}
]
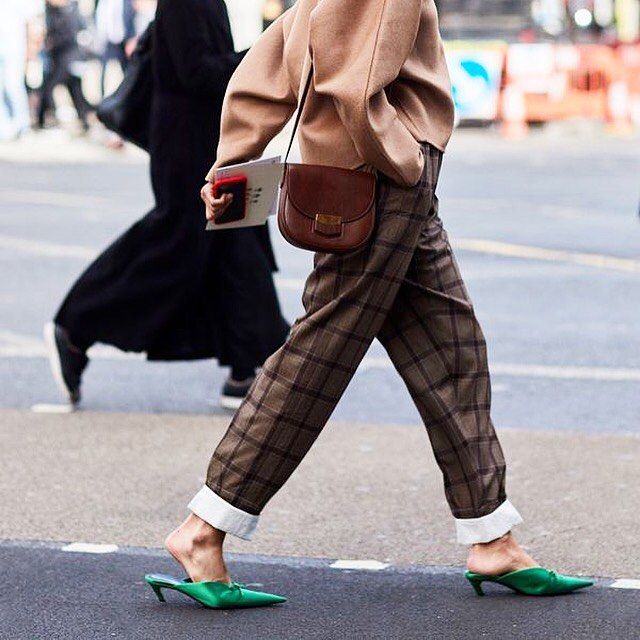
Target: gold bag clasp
[{"x": 324, "y": 218}]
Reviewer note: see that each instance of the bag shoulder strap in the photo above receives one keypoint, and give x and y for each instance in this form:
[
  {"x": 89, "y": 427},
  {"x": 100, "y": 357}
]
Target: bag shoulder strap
[{"x": 299, "y": 114}]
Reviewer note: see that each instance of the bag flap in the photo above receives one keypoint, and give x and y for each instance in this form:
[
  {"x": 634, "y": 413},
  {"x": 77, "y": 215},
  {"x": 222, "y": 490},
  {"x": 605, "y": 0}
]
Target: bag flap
[{"x": 315, "y": 189}]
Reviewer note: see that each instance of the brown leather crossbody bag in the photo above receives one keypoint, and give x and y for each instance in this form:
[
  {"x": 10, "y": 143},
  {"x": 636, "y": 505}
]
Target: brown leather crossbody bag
[{"x": 323, "y": 208}]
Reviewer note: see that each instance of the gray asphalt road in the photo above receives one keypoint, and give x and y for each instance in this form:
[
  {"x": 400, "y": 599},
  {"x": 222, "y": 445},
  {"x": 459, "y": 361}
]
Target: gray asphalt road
[
  {"x": 50, "y": 593},
  {"x": 559, "y": 332}
]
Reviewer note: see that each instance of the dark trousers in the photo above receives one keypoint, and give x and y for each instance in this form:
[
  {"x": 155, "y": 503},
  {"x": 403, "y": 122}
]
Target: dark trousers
[{"x": 57, "y": 73}]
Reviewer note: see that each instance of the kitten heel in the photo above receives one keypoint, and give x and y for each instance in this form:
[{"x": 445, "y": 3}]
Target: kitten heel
[
  {"x": 158, "y": 591},
  {"x": 476, "y": 583}
]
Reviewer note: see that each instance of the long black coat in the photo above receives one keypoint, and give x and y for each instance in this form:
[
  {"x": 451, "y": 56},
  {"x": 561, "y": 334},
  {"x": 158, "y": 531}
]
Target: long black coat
[{"x": 167, "y": 287}]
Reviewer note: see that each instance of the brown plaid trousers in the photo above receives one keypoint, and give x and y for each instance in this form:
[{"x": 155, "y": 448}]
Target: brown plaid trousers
[{"x": 405, "y": 289}]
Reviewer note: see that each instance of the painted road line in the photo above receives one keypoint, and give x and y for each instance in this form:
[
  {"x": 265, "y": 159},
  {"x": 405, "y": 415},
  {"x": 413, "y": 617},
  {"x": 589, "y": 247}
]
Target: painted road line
[
  {"x": 610, "y": 374},
  {"x": 45, "y": 249},
  {"x": 630, "y": 265},
  {"x": 53, "y": 198},
  {"x": 88, "y": 547},
  {"x": 53, "y": 408},
  {"x": 625, "y": 583},
  {"x": 606, "y": 374},
  {"x": 360, "y": 565},
  {"x": 15, "y": 345},
  {"x": 551, "y": 255},
  {"x": 56, "y": 250}
]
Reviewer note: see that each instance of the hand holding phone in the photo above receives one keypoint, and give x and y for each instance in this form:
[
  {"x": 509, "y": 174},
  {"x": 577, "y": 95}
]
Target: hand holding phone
[{"x": 236, "y": 187}]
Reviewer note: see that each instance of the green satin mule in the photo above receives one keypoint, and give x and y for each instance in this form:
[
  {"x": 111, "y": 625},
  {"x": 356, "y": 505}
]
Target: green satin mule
[
  {"x": 214, "y": 595},
  {"x": 535, "y": 581}
]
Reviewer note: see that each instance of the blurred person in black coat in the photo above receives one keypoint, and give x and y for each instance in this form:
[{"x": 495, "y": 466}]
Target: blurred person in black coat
[
  {"x": 63, "y": 23},
  {"x": 167, "y": 287}
]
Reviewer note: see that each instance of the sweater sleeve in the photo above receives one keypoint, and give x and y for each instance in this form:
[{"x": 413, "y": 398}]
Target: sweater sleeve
[
  {"x": 258, "y": 103},
  {"x": 200, "y": 71},
  {"x": 358, "y": 49}
]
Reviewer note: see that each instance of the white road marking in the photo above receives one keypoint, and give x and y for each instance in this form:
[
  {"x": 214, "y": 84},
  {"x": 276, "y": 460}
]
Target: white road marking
[
  {"x": 56, "y": 198},
  {"x": 537, "y": 371},
  {"x": 625, "y": 583},
  {"x": 630, "y": 265},
  {"x": 45, "y": 249},
  {"x": 360, "y": 565},
  {"x": 56, "y": 250},
  {"x": 88, "y": 547},
  {"x": 15, "y": 345},
  {"x": 52, "y": 408},
  {"x": 539, "y": 253},
  {"x": 606, "y": 374}
]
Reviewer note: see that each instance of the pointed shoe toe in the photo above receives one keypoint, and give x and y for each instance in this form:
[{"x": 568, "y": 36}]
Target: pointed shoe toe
[
  {"x": 260, "y": 598},
  {"x": 571, "y": 583}
]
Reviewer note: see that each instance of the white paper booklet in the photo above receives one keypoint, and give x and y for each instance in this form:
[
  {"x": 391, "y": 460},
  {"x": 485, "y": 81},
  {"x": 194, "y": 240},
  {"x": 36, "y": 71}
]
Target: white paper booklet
[{"x": 263, "y": 181}]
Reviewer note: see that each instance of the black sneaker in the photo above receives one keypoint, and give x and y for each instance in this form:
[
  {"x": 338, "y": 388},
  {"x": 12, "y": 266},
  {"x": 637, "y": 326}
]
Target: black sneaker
[
  {"x": 67, "y": 362},
  {"x": 234, "y": 392}
]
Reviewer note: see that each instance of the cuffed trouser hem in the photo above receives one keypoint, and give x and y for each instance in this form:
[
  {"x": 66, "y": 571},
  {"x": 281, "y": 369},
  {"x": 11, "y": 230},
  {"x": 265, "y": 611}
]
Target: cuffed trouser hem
[
  {"x": 489, "y": 527},
  {"x": 224, "y": 516}
]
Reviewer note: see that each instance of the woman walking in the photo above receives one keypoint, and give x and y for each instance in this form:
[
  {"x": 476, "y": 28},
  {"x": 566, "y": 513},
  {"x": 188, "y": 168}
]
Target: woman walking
[
  {"x": 165, "y": 287},
  {"x": 63, "y": 23},
  {"x": 380, "y": 99}
]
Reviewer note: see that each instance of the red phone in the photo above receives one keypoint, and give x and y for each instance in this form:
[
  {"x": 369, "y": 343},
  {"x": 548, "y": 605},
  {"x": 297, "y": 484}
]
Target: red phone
[{"x": 237, "y": 209}]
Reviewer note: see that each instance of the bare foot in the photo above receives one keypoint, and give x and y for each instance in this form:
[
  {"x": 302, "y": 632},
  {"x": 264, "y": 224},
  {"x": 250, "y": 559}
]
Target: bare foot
[
  {"x": 197, "y": 546},
  {"x": 499, "y": 556}
]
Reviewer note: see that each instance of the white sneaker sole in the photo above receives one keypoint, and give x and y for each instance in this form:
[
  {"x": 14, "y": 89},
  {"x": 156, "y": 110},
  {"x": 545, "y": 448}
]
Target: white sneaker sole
[
  {"x": 230, "y": 402},
  {"x": 54, "y": 361}
]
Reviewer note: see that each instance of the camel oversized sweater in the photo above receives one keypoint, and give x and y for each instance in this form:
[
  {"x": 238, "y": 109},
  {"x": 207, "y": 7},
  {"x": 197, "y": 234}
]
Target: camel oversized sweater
[{"x": 380, "y": 86}]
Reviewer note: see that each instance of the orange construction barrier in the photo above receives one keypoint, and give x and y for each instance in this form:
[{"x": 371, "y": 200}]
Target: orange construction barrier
[{"x": 544, "y": 82}]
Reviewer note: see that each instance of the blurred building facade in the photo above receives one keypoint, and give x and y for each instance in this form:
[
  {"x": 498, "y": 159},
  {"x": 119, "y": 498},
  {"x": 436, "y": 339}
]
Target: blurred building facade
[
  {"x": 575, "y": 20},
  {"x": 513, "y": 61}
]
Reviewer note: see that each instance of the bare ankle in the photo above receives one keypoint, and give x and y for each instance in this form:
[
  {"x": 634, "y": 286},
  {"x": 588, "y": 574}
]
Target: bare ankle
[
  {"x": 498, "y": 556},
  {"x": 198, "y": 547}
]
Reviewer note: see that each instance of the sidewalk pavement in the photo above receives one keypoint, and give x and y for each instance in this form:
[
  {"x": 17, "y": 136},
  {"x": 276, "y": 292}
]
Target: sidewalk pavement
[
  {"x": 363, "y": 492},
  {"x": 63, "y": 146}
]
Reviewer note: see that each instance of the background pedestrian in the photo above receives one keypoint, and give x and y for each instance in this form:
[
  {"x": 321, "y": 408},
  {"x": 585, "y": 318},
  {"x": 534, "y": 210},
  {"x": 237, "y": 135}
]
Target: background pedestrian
[
  {"x": 115, "y": 28},
  {"x": 63, "y": 55},
  {"x": 15, "y": 16},
  {"x": 165, "y": 287}
]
